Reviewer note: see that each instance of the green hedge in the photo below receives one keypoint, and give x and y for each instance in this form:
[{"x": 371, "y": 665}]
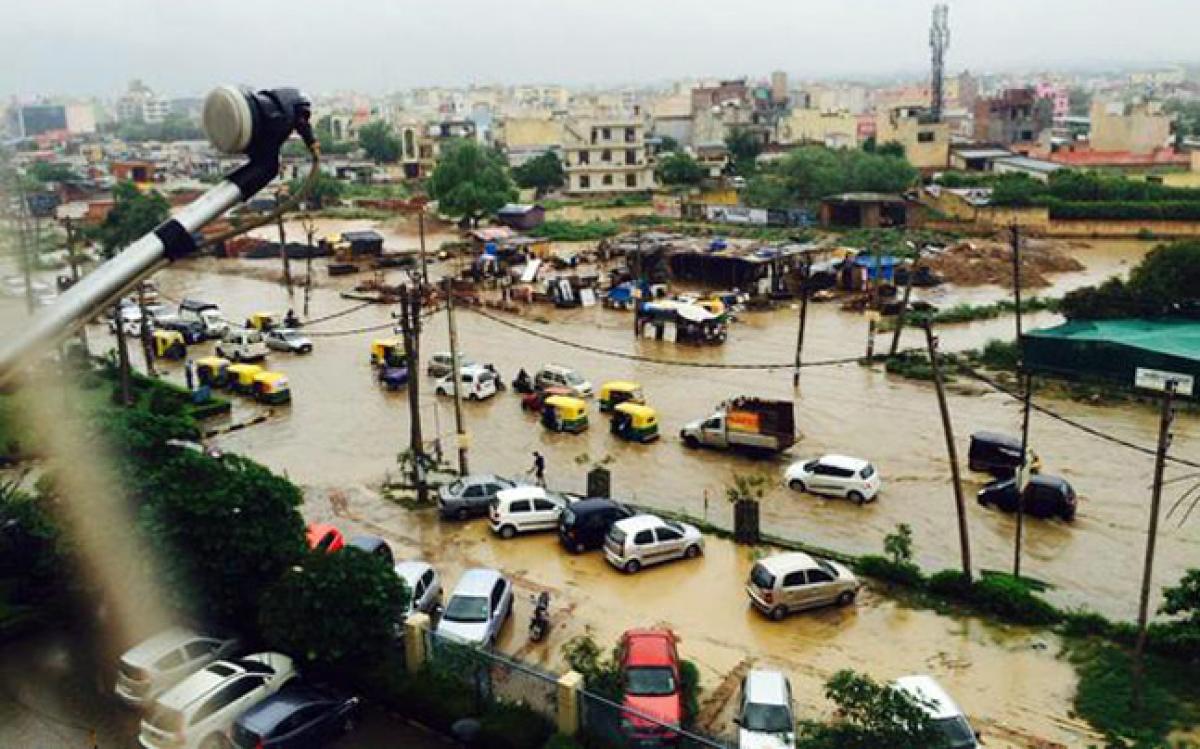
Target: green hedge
[
  {"x": 1112, "y": 210},
  {"x": 571, "y": 231}
]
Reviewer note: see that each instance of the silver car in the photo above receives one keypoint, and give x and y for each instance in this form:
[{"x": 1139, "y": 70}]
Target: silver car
[
  {"x": 150, "y": 668},
  {"x": 477, "y": 607},
  {"x": 643, "y": 540},
  {"x": 471, "y": 495},
  {"x": 424, "y": 586},
  {"x": 793, "y": 581},
  {"x": 440, "y": 364},
  {"x": 286, "y": 339},
  {"x": 766, "y": 719}
]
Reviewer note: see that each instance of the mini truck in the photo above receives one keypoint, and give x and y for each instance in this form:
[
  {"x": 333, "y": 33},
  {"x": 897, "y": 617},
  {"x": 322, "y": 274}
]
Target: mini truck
[{"x": 754, "y": 424}]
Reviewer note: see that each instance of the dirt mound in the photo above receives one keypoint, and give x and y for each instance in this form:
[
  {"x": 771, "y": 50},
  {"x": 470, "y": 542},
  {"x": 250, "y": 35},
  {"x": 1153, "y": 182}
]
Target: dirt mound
[{"x": 977, "y": 263}]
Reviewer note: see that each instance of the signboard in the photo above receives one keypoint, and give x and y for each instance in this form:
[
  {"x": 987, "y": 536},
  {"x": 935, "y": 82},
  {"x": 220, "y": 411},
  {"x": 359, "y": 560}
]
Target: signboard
[
  {"x": 1157, "y": 379},
  {"x": 587, "y": 297}
]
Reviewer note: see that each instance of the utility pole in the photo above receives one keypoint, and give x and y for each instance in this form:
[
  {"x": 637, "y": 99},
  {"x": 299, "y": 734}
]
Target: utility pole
[
  {"x": 636, "y": 291},
  {"x": 456, "y": 380},
  {"x": 951, "y": 450},
  {"x": 73, "y": 259},
  {"x": 803, "y": 322},
  {"x": 287, "y": 264},
  {"x": 410, "y": 326},
  {"x": 1015, "y": 229},
  {"x": 310, "y": 230},
  {"x": 144, "y": 332},
  {"x": 424, "y": 260},
  {"x": 26, "y": 259},
  {"x": 1160, "y": 459},
  {"x": 122, "y": 356},
  {"x": 900, "y": 317},
  {"x": 1022, "y": 476}
]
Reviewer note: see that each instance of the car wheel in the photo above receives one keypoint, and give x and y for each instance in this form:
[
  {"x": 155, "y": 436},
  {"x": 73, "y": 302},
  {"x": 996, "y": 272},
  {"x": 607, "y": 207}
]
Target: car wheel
[
  {"x": 778, "y": 613},
  {"x": 692, "y": 551},
  {"x": 797, "y": 485},
  {"x": 691, "y": 441},
  {"x": 507, "y": 532},
  {"x": 632, "y": 566},
  {"x": 856, "y": 497},
  {"x": 846, "y": 598},
  {"x": 472, "y": 397}
]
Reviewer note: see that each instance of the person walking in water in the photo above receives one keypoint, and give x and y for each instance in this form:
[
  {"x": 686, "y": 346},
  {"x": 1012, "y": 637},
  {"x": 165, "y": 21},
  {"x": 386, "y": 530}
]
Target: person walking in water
[{"x": 539, "y": 468}]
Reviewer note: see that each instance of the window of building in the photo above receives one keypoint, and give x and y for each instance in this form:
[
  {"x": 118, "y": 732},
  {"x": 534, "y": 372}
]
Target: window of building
[
  {"x": 583, "y": 157},
  {"x": 630, "y": 156},
  {"x": 925, "y": 137},
  {"x": 607, "y": 134},
  {"x": 606, "y": 155},
  {"x": 631, "y": 180},
  {"x": 607, "y": 180},
  {"x": 584, "y": 182},
  {"x": 630, "y": 135},
  {"x": 595, "y": 135}
]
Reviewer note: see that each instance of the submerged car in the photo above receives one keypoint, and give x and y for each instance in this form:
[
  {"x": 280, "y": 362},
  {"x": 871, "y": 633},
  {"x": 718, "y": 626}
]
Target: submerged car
[
  {"x": 643, "y": 540},
  {"x": 650, "y": 679},
  {"x": 836, "y": 475},
  {"x": 162, "y": 661},
  {"x": 792, "y": 581},
  {"x": 286, "y": 339},
  {"x": 1043, "y": 496}
]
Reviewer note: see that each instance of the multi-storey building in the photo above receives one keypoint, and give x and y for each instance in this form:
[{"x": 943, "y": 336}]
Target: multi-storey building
[
  {"x": 1015, "y": 118},
  {"x": 607, "y": 155}
]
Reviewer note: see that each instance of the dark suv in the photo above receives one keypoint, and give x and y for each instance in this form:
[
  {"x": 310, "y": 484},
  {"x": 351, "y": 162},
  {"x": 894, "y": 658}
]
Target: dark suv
[
  {"x": 584, "y": 524},
  {"x": 997, "y": 454},
  {"x": 1044, "y": 496}
]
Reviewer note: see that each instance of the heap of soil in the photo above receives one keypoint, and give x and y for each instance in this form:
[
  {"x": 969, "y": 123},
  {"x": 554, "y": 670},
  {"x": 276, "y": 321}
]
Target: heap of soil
[{"x": 980, "y": 262}]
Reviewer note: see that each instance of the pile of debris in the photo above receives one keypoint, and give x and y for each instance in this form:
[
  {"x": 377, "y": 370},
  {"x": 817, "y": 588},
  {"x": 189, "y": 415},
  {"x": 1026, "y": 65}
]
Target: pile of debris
[{"x": 977, "y": 263}]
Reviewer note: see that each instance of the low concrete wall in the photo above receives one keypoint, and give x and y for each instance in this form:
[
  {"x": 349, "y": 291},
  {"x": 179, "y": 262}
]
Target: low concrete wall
[{"x": 961, "y": 216}]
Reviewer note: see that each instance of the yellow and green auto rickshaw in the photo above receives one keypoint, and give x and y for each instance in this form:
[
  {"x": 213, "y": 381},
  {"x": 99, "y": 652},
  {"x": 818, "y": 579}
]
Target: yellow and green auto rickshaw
[
  {"x": 387, "y": 352},
  {"x": 169, "y": 344},
  {"x": 213, "y": 371},
  {"x": 264, "y": 321},
  {"x": 241, "y": 377},
  {"x": 635, "y": 422},
  {"x": 272, "y": 387},
  {"x": 562, "y": 413},
  {"x": 620, "y": 391}
]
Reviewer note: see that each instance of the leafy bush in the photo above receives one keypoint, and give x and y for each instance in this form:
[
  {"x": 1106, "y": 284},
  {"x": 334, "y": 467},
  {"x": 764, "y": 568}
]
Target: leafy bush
[
  {"x": 1012, "y": 600},
  {"x": 1111, "y": 210},
  {"x": 999, "y": 354},
  {"x": 571, "y": 231},
  {"x": 508, "y": 726},
  {"x": 899, "y": 544},
  {"x": 873, "y": 715},
  {"x": 601, "y": 674},
  {"x": 689, "y": 676},
  {"x": 1104, "y": 697},
  {"x": 911, "y": 364},
  {"x": 882, "y": 568},
  {"x": 950, "y": 584},
  {"x": 1164, "y": 283}
]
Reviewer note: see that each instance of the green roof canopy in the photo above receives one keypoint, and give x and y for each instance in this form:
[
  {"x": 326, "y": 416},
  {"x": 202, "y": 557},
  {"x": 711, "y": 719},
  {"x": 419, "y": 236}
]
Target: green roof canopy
[{"x": 1114, "y": 349}]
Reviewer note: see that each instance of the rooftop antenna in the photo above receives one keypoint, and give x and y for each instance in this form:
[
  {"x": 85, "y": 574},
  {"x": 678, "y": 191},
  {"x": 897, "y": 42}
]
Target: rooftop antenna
[{"x": 939, "y": 42}]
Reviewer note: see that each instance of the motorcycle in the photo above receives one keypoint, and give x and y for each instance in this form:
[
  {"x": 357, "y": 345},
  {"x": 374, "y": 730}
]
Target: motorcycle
[{"x": 539, "y": 624}]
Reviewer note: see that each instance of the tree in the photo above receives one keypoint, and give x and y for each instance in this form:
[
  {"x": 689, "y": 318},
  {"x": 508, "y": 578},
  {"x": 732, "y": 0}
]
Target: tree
[
  {"x": 1079, "y": 101},
  {"x": 542, "y": 173},
  {"x": 326, "y": 190},
  {"x": 334, "y": 611},
  {"x": 899, "y": 544},
  {"x": 471, "y": 182},
  {"x": 1184, "y": 599},
  {"x": 744, "y": 147},
  {"x": 679, "y": 168},
  {"x": 1170, "y": 274},
  {"x": 814, "y": 172},
  {"x": 768, "y": 191},
  {"x": 134, "y": 213},
  {"x": 891, "y": 148},
  {"x": 667, "y": 144},
  {"x": 873, "y": 715},
  {"x": 45, "y": 172},
  {"x": 379, "y": 142}
]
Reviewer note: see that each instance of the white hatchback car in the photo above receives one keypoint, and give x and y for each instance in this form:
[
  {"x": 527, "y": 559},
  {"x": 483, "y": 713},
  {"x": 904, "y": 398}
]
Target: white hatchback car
[
  {"x": 642, "y": 540},
  {"x": 766, "y": 719},
  {"x": 523, "y": 509},
  {"x": 424, "y": 586},
  {"x": 477, "y": 608},
  {"x": 151, "y": 667},
  {"x": 476, "y": 383},
  {"x": 836, "y": 475},
  {"x": 941, "y": 708},
  {"x": 198, "y": 712}
]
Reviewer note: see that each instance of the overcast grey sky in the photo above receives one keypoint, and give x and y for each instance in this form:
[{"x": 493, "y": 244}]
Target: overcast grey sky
[{"x": 185, "y": 46}]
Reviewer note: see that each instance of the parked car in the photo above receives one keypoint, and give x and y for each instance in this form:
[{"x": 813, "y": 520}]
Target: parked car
[
  {"x": 784, "y": 583},
  {"x": 424, "y": 586},
  {"x": 191, "y": 330},
  {"x": 835, "y": 475},
  {"x": 555, "y": 375},
  {"x": 373, "y": 545},
  {"x": 584, "y": 524},
  {"x": 151, "y": 667},
  {"x": 938, "y": 705},
  {"x": 286, "y": 339},
  {"x": 477, "y": 607},
  {"x": 650, "y": 677},
  {"x": 766, "y": 717},
  {"x": 299, "y": 717},
  {"x": 324, "y": 537},
  {"x": 1043, "y": 496},
  {"x": 130, "y": 321},
  {"x": 242, "y": 344},
  {"x": 441, "y": 364},
  {"x": 205, "y": 313},
  {"x": 475, "y": 383},
  {"x": 642, "y": 540},
  {"x": 998, "y": 454},
  {"x": 198, "y": 712},
  {"x": 470, "y": 496},
  {"x": 523, "y": 509}
]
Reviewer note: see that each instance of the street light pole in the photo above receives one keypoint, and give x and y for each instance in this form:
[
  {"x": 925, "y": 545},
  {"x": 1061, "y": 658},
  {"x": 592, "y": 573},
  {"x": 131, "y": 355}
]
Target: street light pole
[{"x": 456, "y": 380}]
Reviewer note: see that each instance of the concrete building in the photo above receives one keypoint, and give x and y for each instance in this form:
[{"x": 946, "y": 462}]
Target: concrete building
[
  {"x": 81, "y": 118},
  {"x": 607, "y": 156},
  {"x": 779, "y": 86},
  {"x": 1059, "y": 96},
  {"x": 32, "y": 120},
  {"x": 1139, "y": 128},
  {"x": 1016, "y": 118},
  {"x": 926, "y": 143},
  {"x": 421, "y": 143},
  {"x": 834, "y": 129},
  {"x": 524, "y": 138}
]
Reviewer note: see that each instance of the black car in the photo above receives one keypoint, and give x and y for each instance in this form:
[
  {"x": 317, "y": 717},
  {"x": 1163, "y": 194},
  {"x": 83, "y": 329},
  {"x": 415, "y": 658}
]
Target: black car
[
  {"x": 1044, "y": 496},
  {"x": 997, "y": 454},
  {"x": 300, "y": 717},
  {"x": 192, "y": 331},
  {"x": 584, "y": 524}
]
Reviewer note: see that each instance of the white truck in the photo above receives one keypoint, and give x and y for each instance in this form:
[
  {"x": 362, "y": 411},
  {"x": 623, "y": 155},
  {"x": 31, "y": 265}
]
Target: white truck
[
  {"x": 754, "y": 424},
  {"x": 207, "y": 314}
]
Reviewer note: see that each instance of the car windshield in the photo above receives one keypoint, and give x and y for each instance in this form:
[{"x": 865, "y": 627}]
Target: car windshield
[
  {"x": 254, "y": 338},
  {"x": 767, "y": 718},
  {"x": 457, "y": 487},
  {"x": 867, "y": 472},
  {"x": 573, "y": 378},
  {"x": 674, "y": 526},
  {"x": 617, "y": 536},
  {"x": 467, "y": 609},
  {"x": 957, "y": 731},
  {"x": 649, "y": 681},
  {"x": 811, "y": 465},
  {"x": 827, "y": 567},
  {"x": 568, "y": 518},
  {"x": 760, "y": 577},
  {"x": 165, "y": 719}
]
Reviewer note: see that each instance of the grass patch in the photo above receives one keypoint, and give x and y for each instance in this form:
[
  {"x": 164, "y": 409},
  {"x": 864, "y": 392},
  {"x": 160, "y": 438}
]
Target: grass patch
[
  {"x": 347, "y": 212},
  {"x": 574, "y": 231}
]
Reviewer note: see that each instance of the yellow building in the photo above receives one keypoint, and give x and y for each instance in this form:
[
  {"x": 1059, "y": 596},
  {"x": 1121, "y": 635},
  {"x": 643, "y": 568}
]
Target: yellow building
[
  {"x": 926, "y": 144},
  {"x": 1138, "y": 128},
  {"x": 835, "y": 129},
  {"x": 522, "y": 138}
]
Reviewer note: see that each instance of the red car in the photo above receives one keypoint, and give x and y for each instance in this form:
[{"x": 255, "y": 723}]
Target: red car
[
  {"x": 324, "y": 537},
  {"x": 535, "y": 400},
  {"x": 651, "y": 682}
]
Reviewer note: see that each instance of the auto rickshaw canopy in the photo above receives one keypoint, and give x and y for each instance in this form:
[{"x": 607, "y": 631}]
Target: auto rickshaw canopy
[
  {"x": 381, "y": 347},
  {"x": 264, "y": 320},
  {"x": 639, "y": 415},
  {"x": 244, "y": 374},
  {"x": 567, "y": 407},
  {"x": 271, "y": 382}
]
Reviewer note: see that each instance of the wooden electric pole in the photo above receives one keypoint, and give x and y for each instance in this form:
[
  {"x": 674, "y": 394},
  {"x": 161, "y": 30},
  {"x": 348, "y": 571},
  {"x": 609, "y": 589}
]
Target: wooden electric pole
[
  {"x": 424, "y": 260},
  {"x": 1160, "y": 459},
  {"x": 456, "y": 380},
  {"x": 903, "y": 313},
  {"x": 804, "y": 286},
  {"x": 122, "y": 356},
  {"x": 1015, "y": 229},
  {"x": 283, "y": 253},
  {"x": 1022, "y": 475},
  {"x": 410, "y": 326},
  {"x": 73, "y": 259},
  {"x": 951, "y": 450},
  {"x": 144, "y": 331}
]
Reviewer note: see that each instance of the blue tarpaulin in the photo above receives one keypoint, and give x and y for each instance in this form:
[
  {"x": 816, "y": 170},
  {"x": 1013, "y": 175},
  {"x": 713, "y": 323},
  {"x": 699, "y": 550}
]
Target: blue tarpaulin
[{"x": 885, "y": 268}]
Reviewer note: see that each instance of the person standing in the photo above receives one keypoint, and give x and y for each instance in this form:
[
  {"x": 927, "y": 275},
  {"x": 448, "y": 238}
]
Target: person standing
[
  {"x": 189, "y": 374},
  {"x": 539, "y": 468}
]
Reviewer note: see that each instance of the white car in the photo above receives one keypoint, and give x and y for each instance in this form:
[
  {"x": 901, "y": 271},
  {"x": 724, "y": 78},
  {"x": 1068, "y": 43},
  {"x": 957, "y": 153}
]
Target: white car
[
  {"x": 424, "y": 586},
  {"x": 287, "y": 339},
  {"x": 836, "y": 475},
  {"x": 242, "y": 344},
  {"x": 477, "y": 608},
  {"x": 558, "y": 376},
  {"x": 766, "y": 718},
  {"x": 642, "y": 540},
  {"x": 441, "y": 363},
  {"x": 131, "y": 321},
  {"x": 938, "y": 705},
  {"x": 151, "y": 667},
  {"x": 198, "y": 712},
  {"x": 476, "y": 383},
  {"x": 523, "y": 509}
]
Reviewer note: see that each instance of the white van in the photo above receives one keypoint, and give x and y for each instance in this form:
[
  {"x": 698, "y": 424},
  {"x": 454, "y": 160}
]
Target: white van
[
  {"x": 476, "y": 383},
  {"x": 241, "y": 344},
  {"x": 522, "y": 509}
]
